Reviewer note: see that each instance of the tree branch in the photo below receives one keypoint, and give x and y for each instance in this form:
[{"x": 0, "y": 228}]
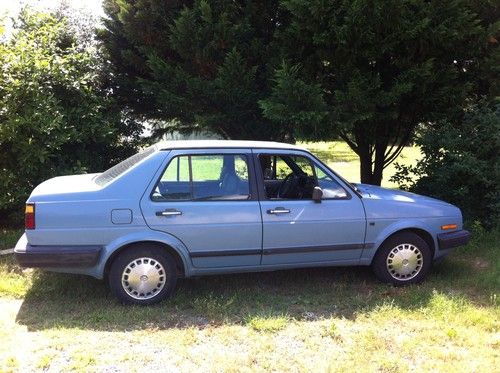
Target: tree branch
[
  {"x": 349, "y": 142},
  {"x": 404, "y": 141}
]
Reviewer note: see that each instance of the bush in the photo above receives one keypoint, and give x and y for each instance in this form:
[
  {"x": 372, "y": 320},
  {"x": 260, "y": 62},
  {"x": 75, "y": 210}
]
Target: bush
[
  {"x": 460, "y": 164},
  {"x": 56, "y": 116}
]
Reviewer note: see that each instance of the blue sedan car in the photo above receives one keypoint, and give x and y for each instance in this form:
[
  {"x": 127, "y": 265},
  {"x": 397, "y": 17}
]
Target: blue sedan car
[{"x": 191, "y": 208}]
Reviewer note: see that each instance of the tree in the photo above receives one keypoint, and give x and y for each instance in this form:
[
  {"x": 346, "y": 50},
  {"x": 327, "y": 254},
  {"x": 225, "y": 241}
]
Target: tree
[
  {"x": 383, "y": 67},
  {"x": 195, "y": 64},
  {"x": 56, "y": 116}
]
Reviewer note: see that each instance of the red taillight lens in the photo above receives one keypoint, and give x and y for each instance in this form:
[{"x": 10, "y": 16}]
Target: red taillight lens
[{"x": 29, "y": 216}]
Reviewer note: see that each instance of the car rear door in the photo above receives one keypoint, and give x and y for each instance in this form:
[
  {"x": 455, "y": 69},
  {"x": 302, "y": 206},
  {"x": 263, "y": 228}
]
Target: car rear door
[
  {"x": 208, "y": 200},
  {"x": 300, "y": 230}
]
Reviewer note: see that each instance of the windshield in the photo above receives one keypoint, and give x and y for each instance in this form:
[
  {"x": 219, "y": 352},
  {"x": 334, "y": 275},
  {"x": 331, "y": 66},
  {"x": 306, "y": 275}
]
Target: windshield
[{"x": 115, "y": 171}]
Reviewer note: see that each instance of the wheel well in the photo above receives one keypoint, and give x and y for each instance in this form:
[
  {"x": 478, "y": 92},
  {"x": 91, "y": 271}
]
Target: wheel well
[
  {"x": 178, "y": 260},
  {"x": 426, "y": 236}
]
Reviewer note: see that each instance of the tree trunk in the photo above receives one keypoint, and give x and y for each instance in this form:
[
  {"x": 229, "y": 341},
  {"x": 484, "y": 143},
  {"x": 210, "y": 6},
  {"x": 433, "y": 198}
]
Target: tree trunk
[
  {"x": 371, "y": 170},
  {"x": 365, "y": 165},
  {"x": 378, "y": 164},
  {"x": 375, "y": 156},
  {"x": 378, "y": 169}
]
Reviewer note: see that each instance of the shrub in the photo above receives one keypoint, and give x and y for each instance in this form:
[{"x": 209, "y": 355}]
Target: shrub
[
  {"x": 460, "y": 164},
  {"x": 56, "y": 116}
]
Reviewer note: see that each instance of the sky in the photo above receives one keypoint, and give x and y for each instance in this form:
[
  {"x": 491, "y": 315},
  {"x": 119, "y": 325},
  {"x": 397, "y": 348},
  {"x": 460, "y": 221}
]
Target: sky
[{"x": 10, "y": 8}]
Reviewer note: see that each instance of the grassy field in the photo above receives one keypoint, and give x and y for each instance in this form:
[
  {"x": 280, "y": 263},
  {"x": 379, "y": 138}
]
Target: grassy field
[
  {"x": 340, "y": 158},
  {"x": 316, "y": 320}
]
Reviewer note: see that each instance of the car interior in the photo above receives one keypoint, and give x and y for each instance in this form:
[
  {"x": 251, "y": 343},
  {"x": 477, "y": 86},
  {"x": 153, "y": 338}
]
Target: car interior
[
  {"x": 287, "y": 177},
  {"x": 204, "y": 177}
]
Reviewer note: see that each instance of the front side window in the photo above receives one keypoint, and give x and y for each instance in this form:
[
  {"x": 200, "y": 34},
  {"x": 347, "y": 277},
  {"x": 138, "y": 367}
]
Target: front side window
[
  {"x": 204, "y": 177},
  {"x": 330, "y": 187},
  {"x": 294, "y": 177}
]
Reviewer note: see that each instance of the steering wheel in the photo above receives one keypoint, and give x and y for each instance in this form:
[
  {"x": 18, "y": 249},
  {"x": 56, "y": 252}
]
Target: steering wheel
[{"x": 287, "y": 184}]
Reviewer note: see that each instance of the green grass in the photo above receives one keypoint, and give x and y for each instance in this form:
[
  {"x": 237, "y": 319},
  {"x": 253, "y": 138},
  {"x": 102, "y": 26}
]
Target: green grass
[
  {"x": 267, "y": 323},
  {"x": 321, "y": 319},
  {"x": 9, "y": 237},
  {"x": 340, "y": 158},
  {"x": 203, "y": 168},
  {"x": 339, "y": 319},
  {"x": 13, "y": 280}
]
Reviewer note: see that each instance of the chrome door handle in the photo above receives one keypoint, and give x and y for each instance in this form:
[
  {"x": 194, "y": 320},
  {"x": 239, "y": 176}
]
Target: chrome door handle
[
  {"x": 278, "y": 210},
  {"x": 169, "y": 212}
]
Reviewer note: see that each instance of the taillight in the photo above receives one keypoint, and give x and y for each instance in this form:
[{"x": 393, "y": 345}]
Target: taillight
[{"x": 29, "y": 216}]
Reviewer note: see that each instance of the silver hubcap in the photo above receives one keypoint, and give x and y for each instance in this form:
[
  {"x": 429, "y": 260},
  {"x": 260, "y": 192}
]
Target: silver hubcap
[
  {"x": 404, "y": 262},
  {"x": 143, "y": 278}
]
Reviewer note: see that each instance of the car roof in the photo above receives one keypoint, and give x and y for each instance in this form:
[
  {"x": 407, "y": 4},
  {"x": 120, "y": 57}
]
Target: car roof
[{"x": 203, "y": 144}]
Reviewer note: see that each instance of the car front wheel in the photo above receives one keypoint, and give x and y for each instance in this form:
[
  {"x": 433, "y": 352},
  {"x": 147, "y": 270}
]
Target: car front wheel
[
  {"x": 143, "y": 274},
  {"x": 404, "y": 258}
]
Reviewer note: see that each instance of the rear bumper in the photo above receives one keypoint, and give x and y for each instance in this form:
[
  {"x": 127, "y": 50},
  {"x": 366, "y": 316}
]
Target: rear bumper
[
  {"x": 453, "y": 239},
  {"x": 56, "y": 256}
]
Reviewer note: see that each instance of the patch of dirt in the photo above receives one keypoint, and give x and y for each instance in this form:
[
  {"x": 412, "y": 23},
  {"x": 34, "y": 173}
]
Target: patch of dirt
[{"x": 480, "y": 264}]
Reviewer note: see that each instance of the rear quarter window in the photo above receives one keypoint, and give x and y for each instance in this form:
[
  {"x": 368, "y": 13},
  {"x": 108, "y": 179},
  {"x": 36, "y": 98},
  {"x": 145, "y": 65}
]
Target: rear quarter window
[{"x": 117, "y": 170}]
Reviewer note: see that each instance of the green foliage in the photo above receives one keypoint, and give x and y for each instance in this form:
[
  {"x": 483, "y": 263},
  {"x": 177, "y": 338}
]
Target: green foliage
[
  {"x": 461, "y": 164},
  {"x": 55, "y": 114},
  {"x": 295, "y": 105},
  {"x": 382, "y": 67},
  {"x": 194, "y": 65},
  {"x": 369, "y": 72}
]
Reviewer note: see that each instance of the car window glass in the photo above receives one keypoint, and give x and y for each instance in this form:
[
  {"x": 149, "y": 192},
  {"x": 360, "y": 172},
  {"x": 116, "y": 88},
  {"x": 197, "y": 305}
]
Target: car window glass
[
  {"x": 294, "y": 177},
  {"x": 282, "y": 169},
  {"x": 206, "y": 167},
  {"x": 331, "y": 188},
  {"x": 204, "y": 177},
  {"x": 241, "y": 168},
  {"x": 305, "y": 165},
  {"x": 119, "y": 169},
  {"x": 175, "y": 182},
  {"x": 177, "y": 170},
  {"x": 287, "y": 176}
]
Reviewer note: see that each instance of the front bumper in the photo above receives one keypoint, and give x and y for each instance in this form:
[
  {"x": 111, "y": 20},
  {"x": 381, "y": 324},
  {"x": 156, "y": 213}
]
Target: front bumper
[
  {"x": 55, "y": 256},
  {"x": 453, "y": 239}
]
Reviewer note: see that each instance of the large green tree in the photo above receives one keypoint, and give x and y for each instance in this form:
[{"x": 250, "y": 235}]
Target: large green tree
[
  {"x": 56, "y": 116},
  {"x": 377, "y": 69},
  {"x": 195, "y": 64},
  {"x": 367, "y": 71}
]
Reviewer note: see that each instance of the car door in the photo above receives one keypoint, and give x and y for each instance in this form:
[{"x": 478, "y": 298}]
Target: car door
[
  {"x": 208, "y": 200},
  {"x": 297, "y": 229}
]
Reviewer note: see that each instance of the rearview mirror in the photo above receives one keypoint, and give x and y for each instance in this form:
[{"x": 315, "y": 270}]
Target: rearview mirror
[{"x": 317, "y": 194}]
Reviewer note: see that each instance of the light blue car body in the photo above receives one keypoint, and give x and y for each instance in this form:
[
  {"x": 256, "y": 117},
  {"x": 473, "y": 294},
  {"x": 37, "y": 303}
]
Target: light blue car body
[{"x": 214, "y": 237}]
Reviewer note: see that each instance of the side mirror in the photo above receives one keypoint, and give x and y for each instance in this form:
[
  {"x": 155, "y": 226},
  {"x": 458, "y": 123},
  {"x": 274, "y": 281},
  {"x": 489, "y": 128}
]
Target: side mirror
[{"x": 317, "y": 194}]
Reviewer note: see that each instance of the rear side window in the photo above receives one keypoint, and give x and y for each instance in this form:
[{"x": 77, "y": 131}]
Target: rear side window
[
  {"x": 204, "y": 178},
  {"x": 115, "y": 171}
]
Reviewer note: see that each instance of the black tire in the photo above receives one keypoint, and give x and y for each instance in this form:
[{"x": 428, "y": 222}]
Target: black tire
[
  {"x": 161, "y": 268},
  {"x": 408, "y": 243}
]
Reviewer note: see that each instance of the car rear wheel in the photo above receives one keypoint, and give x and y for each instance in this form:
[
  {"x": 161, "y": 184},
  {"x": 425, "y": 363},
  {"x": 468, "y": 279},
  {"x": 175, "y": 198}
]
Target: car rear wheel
[
  {"x": 143, "y": 274},
  {"x": 404, "y": 258}
]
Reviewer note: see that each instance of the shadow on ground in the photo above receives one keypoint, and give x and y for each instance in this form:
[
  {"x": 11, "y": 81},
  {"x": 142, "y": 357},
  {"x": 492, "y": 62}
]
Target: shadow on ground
[{"x": 69, "y": 301}]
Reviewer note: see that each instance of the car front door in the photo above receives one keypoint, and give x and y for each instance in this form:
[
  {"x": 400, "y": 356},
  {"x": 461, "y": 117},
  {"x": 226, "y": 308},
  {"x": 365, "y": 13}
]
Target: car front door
[
  {"x": 297, "y": 229},
  {"x": 208, "y": 200}
]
